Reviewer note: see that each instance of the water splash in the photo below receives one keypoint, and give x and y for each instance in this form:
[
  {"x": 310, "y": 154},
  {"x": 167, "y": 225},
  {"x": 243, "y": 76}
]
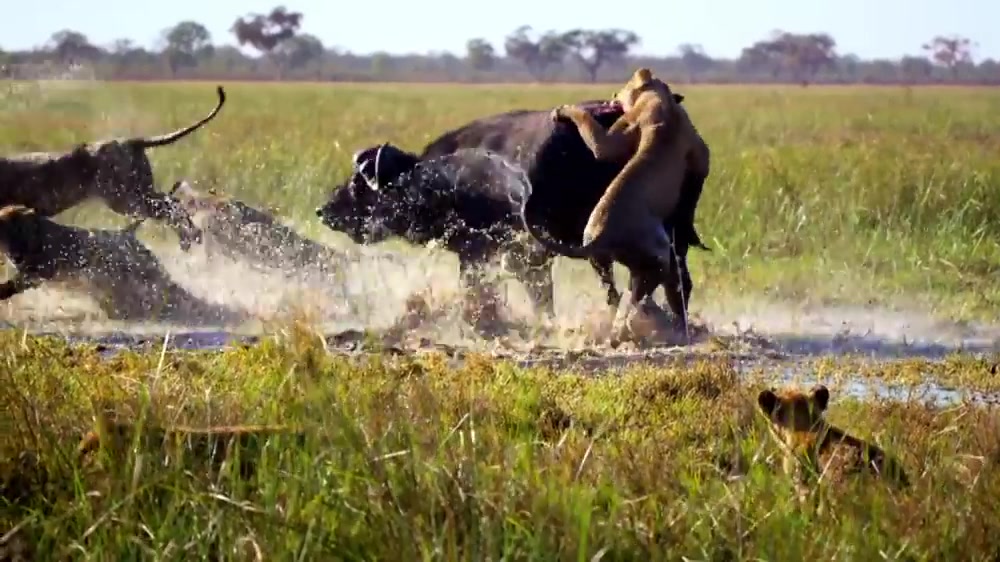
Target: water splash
[{"x": 485, "y": 171}]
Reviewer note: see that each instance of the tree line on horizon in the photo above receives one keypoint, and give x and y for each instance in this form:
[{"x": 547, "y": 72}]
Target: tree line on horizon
[{"x": 577, "y": 55}]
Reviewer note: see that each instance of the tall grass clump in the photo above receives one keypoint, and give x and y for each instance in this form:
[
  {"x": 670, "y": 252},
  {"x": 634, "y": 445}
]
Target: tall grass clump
[{"x": 412, "y": 458}]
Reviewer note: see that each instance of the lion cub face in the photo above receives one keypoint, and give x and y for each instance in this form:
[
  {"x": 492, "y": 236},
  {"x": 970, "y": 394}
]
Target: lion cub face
[{"x": 792, "y": 411}]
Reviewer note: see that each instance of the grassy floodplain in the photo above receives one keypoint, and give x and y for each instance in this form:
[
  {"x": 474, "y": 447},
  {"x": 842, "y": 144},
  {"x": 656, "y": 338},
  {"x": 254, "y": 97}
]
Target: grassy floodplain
[
  {"x": 838, "y": 194},
  {"x": 855, "y": 194}
]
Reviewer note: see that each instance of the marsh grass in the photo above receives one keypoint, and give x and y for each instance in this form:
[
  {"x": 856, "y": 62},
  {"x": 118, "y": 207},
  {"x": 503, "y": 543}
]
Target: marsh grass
[
  {"x": 409, "y": 459},
  {"x": 839, "y": 194}
]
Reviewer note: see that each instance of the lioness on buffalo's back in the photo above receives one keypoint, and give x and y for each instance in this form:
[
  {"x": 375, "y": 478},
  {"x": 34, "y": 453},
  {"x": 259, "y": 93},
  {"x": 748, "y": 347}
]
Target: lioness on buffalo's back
[
  {"x": 116, "y": 171},
  {"x": 657, "y": 140},
  {"x": 566, "y": 182}
]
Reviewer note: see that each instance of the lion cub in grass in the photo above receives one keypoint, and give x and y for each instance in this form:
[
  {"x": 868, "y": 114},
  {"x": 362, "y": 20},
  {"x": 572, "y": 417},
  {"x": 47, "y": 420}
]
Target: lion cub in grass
[
  {"x": 212, "y": 445},
  {"x": 813, "y": 446}
]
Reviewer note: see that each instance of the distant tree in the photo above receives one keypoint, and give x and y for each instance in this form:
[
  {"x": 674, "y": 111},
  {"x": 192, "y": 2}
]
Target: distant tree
[
  {"x": 480, "y": 54},
  {"x": 265, "y": 32},
  {"x": 448, "y": 64},
  {"x": 881, "y": 71},
  {"x": 762, "y": 56},
  {"x": 989, "y": 71},
  {"x": 916, "y": 69},
  {"x": 122, "y": 53},
  {"x": 381, "y": 64},
  {"x": 552, "y": 49},
  {"x": 227, "y": 58},
  {"x": 695, "y": 60},
  {"x": 300, "y": 51},
  {"x": 848, "y": 66},
  {"x": 537, "y": 56},
  {"x": 950, "y": 52},
  {"x": 122, "y": 47},
  {"x": 186, "y": 42},
  {"x": 803, "y": 55},
  {"x": 594, "y": 48},
  {"x": 520, "y": 47},
  {"x": 72, "y": 46}
]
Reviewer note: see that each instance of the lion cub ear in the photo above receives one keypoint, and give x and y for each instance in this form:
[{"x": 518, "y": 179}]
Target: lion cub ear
[
  {"x": 767, "y": 400},
  {"x": 820, "y": 397},
  {"x": 642, "y": 76}
]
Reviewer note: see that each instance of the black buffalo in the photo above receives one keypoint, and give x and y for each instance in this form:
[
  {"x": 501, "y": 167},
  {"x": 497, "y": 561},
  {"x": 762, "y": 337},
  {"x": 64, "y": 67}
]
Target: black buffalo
[{"x": 458, "y": 195}]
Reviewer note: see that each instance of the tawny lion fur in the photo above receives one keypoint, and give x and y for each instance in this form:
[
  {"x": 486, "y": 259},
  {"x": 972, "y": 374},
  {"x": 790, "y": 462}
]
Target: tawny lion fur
[
  {"x": 116, "y": 171},
  {"x": 656, "y": 136},
  {"x": 251, "y": 235},
  {"x": 125, "y": 277},
  {"x": 211, "y": 445},
  {"x": 812, "y": 446}
]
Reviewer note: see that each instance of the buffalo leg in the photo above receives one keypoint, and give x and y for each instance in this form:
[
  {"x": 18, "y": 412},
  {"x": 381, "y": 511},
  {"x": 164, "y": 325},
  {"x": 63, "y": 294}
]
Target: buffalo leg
[
  {"x": 677, "y": 285},
  {"x": 605, "y": 272},
  {"x": 538, "y": 280},
  {"x": 533, "y": 268},
  {"x": 470, "y": 275},
  {"x": 477, "y": 297}
]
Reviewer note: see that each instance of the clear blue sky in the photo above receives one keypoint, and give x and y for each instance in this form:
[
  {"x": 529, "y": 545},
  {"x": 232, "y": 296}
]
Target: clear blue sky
[{"x": 868, "y": 28}]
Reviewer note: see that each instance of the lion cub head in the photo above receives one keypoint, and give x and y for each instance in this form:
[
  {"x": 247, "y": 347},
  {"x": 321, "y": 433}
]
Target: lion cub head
[
  {"x": 794, "y": 413},
  {"x": 811, "y": 443}
]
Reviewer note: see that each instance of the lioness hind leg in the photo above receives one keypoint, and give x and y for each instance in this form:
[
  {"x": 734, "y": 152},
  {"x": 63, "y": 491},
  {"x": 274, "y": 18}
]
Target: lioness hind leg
[{"x": 641, "y": 284}]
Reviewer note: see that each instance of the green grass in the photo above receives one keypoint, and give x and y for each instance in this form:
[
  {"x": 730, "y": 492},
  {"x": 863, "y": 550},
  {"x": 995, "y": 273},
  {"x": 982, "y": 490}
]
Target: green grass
[
  {"x": 409, "y": 459},
  {"x": 838, "y": 194}
]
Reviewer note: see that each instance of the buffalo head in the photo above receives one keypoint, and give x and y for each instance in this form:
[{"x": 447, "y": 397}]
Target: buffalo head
[{"x": 362, "y": 207}]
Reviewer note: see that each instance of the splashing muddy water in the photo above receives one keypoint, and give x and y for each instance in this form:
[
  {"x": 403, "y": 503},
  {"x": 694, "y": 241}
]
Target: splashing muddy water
[{"x": 370, "y": 288}]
